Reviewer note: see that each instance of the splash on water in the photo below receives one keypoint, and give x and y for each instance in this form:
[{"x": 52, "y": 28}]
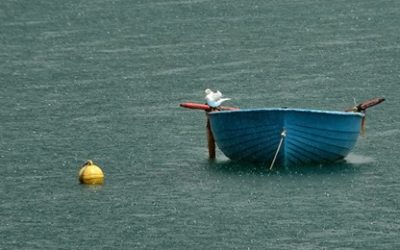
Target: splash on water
[{"x": 358, "y": 159}]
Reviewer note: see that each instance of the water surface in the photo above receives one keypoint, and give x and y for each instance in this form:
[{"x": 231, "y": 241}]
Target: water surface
[{"x": 103, "y": 80}]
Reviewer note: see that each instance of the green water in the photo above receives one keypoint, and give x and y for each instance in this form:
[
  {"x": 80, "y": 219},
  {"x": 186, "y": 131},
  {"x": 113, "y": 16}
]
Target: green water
[{"x": 103, "y": 80}]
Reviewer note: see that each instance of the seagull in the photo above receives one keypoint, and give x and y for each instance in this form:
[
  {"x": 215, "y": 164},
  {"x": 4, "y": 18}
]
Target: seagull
[{"x": 214, "y": 99}]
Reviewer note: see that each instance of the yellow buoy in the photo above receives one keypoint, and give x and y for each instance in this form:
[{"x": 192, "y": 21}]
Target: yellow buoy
[{"x": 91, "y": 174}]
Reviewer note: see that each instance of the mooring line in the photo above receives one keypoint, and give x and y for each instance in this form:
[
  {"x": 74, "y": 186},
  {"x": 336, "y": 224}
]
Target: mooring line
[{"x": 283, "y": 135}]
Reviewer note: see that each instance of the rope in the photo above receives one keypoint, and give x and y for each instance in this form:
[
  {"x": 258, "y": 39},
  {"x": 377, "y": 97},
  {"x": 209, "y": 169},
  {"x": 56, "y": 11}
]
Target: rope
[{"x": 283, "y": 135}]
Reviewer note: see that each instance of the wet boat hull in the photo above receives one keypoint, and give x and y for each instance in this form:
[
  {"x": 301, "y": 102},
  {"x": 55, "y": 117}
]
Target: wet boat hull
[{"x": 312, "y": 136}]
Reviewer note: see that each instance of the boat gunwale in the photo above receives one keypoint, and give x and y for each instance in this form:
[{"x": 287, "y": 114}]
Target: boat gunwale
[{"x": 316, "y": 111}]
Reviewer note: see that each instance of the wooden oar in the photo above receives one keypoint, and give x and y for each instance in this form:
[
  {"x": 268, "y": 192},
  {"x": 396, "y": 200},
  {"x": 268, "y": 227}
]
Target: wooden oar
[
  {"x": 210, "y": 140},
  {"x": 194, "y": 105},
  {"x": 210, "y": 135},
  {"x": 362, "y": 107}
]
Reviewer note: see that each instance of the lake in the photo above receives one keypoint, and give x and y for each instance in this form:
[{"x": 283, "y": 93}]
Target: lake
[{"x": 103, "y": 80}]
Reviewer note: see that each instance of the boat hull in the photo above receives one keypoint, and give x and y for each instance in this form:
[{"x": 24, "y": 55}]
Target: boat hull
[{"x": 311, "y": 136}]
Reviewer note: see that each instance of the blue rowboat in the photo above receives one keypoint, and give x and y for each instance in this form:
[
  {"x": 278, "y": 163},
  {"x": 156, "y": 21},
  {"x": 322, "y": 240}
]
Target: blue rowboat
[{"x": 285, "y": 136}]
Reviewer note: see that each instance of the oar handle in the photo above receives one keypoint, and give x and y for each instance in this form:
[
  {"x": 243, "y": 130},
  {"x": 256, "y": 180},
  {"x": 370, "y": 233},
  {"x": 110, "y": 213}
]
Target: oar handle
[
  {"x": 193, "y": 105},
  {"x": 366, "y": 104},
  {"x": 370, "y": 103}
]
